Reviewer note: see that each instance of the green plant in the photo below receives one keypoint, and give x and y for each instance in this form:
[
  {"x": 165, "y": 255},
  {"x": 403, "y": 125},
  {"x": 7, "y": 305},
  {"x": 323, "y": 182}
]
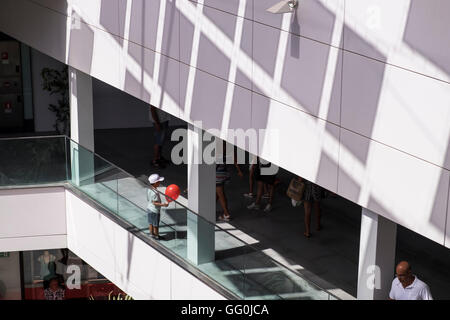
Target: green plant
[{"x": 57, "y": 82}]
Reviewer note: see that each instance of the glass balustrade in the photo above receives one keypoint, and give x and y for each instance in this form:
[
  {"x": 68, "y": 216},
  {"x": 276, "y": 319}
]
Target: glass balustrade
[{"x": 236, "y": 265}]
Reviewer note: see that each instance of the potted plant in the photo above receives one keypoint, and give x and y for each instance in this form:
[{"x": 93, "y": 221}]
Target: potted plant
[{"x": 57, "y": 82}]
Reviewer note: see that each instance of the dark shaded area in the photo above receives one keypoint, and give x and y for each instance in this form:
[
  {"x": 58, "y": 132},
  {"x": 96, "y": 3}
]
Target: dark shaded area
[
  {"x": 429, "y": 261},
  {"x": 32, "y": 161}
]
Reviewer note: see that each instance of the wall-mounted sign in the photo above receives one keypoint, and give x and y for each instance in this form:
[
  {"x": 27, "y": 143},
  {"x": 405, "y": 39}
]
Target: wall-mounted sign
[
  {"x": 8, "y": 107},
  {"x": 4, "y": 254},
  {"x": 5, "y": 59}
]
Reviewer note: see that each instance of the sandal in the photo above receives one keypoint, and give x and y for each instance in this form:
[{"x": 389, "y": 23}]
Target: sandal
[
  {"x": 224, "y": 218},
  {"x": 307, "y": 235}
]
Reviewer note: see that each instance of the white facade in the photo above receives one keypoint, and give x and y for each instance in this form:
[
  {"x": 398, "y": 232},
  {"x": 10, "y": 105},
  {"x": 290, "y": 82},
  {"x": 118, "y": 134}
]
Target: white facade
[
  {"x": 60, "y": 219},
  {"x": 359, "y": 103}
]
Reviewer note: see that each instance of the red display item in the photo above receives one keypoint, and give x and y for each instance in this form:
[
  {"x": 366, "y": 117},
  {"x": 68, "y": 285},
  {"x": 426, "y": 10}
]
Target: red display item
[
  {"x": 172, "y": 191},
  {"x": 4, "y": 55},
  {"x": 8, "y": 107}
]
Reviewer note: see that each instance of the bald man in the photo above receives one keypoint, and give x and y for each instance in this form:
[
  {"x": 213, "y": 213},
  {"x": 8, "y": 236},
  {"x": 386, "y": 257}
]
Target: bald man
[{"x": 407, "y": 286}]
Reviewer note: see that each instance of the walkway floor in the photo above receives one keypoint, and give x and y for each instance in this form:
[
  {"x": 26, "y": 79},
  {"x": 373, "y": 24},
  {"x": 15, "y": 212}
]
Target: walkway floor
[{"x": 329, "y": 257}]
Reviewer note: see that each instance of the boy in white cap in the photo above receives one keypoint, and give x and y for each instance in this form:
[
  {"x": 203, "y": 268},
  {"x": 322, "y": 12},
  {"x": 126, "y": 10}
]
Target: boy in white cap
[{"x": 154, "y": 205}]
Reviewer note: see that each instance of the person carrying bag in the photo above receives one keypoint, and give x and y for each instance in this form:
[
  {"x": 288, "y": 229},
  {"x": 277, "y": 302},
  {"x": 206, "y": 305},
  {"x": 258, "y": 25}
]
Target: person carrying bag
[{"x": 295, "y": 191}]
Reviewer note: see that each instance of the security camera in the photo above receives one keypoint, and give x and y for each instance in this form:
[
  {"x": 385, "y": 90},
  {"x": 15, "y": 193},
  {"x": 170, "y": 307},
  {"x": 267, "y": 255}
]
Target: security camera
[{"x": 285, "y": 6}]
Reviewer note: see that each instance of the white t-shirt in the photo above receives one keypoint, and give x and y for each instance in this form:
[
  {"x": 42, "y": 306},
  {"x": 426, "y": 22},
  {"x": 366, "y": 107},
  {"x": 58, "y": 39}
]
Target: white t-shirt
[
  {"x": 418, "y": 290},
  {"x": 153, "y": 195}
]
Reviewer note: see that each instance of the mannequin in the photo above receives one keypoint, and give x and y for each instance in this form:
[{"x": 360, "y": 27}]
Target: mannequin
[{"x": 48, "y": 267}]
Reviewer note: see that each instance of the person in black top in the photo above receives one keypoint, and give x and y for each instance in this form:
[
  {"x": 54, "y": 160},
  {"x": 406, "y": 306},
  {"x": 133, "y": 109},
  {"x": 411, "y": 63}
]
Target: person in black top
[{"x": 263, "y": 179}]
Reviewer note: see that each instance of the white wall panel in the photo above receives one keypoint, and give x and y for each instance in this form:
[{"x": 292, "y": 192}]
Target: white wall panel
[
  {"x": 28, "y": 23},
  {"x": 187, "y": 287},
  {"x": 413, "y": 117},
  {"x": 303, "y": 144},
  {"x": 231, "y": 6},
  {"x": 447, "y": 229},
  {"x": 32, "y": 212},
  {"x": 90, "y": 235},
  {"x": 131, "y": 264},
  {"x": 33, "y": 243},
  {"x": 143, "y": 267},
  {"x": 406, "y": 110},
  {"x": 216, "y": 103},
  {"x": 402, "y": 188},
  {"x": 314, "y": 19},
  {"x": 102, "y": 14},
  {"x": 413, "y": 34},
  {"x": 296, "y": 71},
  {"x": 153, "y": 24}
]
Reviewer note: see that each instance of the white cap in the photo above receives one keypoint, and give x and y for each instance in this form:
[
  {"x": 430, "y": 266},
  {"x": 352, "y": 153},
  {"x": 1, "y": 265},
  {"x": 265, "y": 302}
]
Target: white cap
[{"x": 155, "y": 178}]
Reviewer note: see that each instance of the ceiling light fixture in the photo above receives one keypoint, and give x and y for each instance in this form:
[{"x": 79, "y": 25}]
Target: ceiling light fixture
[{"x": 285, "y": 6}]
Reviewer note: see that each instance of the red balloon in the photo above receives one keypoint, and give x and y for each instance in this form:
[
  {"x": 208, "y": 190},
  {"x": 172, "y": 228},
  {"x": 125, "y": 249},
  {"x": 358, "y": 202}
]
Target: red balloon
[{"x": 172, "y": 191}]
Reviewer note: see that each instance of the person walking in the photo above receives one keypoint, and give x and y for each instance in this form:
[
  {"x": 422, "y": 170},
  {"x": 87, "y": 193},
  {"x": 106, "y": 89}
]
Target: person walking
[
  {"x": 262, "y": 181},
  {"x": 154, "y": 205},
  {"x": 406, "y": 285},
  {"x": 311, "y": 200},
  {"x": 222, "y": 177},
  {"x": 252, "y": 169},
  {"x": 161, "y": 123}
]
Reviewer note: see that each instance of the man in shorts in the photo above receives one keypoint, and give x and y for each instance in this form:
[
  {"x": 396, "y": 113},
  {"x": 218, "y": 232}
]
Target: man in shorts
[
  {"x": 161, "y": 123},
  {"x": 154, "y": 205}
]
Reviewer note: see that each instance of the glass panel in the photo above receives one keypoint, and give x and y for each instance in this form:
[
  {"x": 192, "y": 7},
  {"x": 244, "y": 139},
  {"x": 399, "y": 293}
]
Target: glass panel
[
  {"x": 228, "y": 266},
  {"x": 60, "y": 274},
  {"x": 94, "y": 176},
  {"x": 213, "y": 249},
  {"x": 272, "y": 277},
  {"x": 32, "y": 161}
]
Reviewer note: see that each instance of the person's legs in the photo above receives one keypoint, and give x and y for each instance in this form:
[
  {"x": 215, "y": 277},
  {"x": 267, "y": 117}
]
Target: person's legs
[
  {"x": 252, "y": 170},
  {"x": 317, "y": 213},
  {"x": 156, "y": 225},
  {"x": 156, "y": 154},
  {"x": 271, "y": 192},
  {"x": 250, "y": 182},
  {"x": 307, "y": 206},
  {"x": 163, "y": 133},
  {"x": 150, "y": 228},
  {"x": 220, "y": 193},
  {"x": 150, "y": 222},
  {"x": 266, "y": 190},
  {"x": 159, "y": 141},
  {"x": 255, "y": 205}
]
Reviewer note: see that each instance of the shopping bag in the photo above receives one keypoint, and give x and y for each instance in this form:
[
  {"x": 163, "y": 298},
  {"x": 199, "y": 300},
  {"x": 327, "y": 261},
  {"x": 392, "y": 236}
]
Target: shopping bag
[{"x": 296, "y": 189}]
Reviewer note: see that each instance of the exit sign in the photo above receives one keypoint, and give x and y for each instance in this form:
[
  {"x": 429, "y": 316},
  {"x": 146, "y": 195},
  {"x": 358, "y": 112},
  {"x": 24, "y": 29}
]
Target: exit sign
[{"x": 4, "y": 254}]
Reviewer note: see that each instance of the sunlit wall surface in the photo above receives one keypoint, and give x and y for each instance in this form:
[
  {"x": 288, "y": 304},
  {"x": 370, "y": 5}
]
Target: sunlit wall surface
[{"x": 353, "y": 94}]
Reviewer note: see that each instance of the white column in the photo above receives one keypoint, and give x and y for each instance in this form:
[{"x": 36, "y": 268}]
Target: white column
[
  {"x": 201, "y": 200},
  {"x": 81, "y": 108},
  {"x": 81, "y": 126},
  {"x": 376, "y": 256}
]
